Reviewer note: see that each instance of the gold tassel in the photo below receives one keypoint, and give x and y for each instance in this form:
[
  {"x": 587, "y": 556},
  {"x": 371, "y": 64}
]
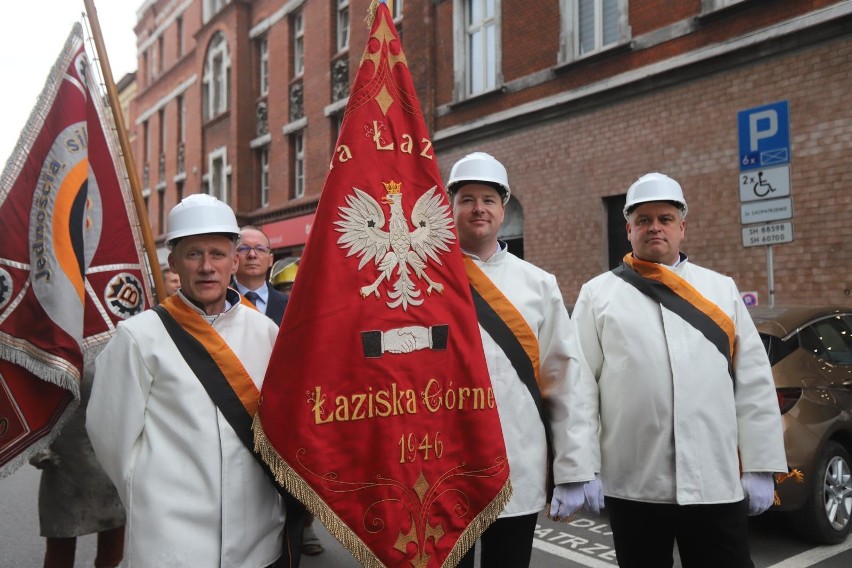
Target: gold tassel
[{"x": 371, "y": 14}]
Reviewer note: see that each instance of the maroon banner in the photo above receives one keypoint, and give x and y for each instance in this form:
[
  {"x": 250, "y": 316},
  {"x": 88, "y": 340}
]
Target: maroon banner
[
  {"x": 70, "y": 256},
  {"x": 377, "y": 410}
]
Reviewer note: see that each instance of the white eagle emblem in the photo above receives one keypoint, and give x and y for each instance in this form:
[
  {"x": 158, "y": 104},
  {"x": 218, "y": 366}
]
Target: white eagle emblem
[{"x": 397, "y": 248}]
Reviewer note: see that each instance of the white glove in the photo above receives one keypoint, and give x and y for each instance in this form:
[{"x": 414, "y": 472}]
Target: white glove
[
  {"x": 568, "y": 497},
  {"x": 594, "y": 496},
  {"x": 759, "y": 489}
]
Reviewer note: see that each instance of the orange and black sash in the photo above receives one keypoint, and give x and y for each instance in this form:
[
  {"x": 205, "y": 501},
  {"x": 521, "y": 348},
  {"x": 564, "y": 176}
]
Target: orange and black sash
[
  {"x": 678, "y": 296},
  {"x": 508, "y": 328},
  {"x": 232, "y": 390},
  {"x": 214, "y": 363}
]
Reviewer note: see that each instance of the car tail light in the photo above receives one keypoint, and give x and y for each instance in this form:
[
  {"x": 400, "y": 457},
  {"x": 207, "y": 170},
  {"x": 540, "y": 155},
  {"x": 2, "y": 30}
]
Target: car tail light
[{"x": 787, "y": 398}]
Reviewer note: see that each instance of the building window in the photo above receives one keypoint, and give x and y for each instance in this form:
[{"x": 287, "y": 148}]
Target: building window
[
  {"x": 263, "y": 66},
  {"x": 152, "y": 68},
  {"x": 217, "y": 75},
  {"x": 146, "y": 142},
  {"x": 161, "y": 140},
  {"x": 597, "y": 25},
  {"x": 212, "y": 7},
  {"x": 297, "y": 101},
  {"x": 179, "y": 34},
  {"x": 591, "y": 26},
  {"x": 479, "y": 35},
  {"x": 264, "y": 176},
  {"x": 161, "y": 115},
  {"x": 146, "y": 154},
  {"x": 161, "y": 54},
  {"x": 340, "y": 78},
  {"x": 161, "y": 210},
  {"x": 181, "y": 134},
  {"x": 219, "y": 175},
  {"x": 298, "y": 39},
  {"x": 261, "y": 114},
  {"x": 298, "y": 144},
  {"x": 181, "y": 118},
  {"x": 342, "y": 25},
  {"x": 145, "y": 77}
]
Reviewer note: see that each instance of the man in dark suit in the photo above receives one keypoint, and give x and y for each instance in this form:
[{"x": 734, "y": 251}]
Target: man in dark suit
[{"x": 255, "y": 259}]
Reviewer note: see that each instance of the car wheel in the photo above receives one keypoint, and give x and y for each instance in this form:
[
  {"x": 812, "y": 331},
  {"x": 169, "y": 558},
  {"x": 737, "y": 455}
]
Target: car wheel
[{"x": 826, "y": 516}]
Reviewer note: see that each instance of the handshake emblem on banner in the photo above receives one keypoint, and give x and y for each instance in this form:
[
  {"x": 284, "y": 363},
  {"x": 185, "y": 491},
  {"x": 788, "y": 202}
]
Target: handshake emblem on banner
[{"x": 404, "y": 340}]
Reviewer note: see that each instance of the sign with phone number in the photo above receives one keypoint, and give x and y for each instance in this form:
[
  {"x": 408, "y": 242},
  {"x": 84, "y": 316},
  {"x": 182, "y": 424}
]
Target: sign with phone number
[{"x": 772, "y": 234}]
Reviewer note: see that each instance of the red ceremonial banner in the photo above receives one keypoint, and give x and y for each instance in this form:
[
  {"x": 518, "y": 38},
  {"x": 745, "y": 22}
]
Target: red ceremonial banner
[
  {"x": 70, "y": 256},
  {"x": 377, "y": 410}
]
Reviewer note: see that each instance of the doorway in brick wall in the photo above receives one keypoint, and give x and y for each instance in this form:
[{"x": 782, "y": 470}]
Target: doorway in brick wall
[
  {"x": 512, "y": 231},
  {"x": 616, "y": 229}
]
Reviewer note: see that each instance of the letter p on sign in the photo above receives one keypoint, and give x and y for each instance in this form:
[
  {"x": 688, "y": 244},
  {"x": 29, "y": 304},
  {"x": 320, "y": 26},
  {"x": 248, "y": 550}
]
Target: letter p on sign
[{"x": 761, "y": 125}]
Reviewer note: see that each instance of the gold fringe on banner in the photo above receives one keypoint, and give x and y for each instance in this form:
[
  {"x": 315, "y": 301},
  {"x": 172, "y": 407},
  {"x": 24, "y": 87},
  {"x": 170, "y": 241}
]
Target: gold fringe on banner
[
  {"x": 296, "y": 486},
  {"x": 371, "y": 14},
  {"x": 482, "y": 521}
]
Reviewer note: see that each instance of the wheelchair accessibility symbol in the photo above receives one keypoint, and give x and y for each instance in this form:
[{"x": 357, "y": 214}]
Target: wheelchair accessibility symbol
[
  {"x": 766, "y": 183},
  {"x": 762, "y": 188}
]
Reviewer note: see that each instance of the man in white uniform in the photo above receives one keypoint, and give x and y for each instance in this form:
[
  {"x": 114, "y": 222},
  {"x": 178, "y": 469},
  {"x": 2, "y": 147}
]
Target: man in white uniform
[
  {"x": 690, "y": 428},
  {"x": 532, "y": 355},
  {"x": 195, "y": 495}
]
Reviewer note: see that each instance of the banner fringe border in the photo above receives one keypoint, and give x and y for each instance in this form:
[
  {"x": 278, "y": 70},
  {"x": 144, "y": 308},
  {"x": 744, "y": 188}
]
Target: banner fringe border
[
  {"x": 296, "y": 486},
  {"x": 43, "y": 371},
  {"x": 478, "y": 525}
]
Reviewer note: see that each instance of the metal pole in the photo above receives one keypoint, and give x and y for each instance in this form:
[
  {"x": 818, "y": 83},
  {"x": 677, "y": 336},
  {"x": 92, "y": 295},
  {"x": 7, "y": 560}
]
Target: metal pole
[
  {"x": 129, "y": 163},
  {"x": 770, "y": 275}
]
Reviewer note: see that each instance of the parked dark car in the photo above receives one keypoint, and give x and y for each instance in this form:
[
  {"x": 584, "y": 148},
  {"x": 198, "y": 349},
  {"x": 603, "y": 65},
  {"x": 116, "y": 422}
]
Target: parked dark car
[{"x": 810, "y": 349}]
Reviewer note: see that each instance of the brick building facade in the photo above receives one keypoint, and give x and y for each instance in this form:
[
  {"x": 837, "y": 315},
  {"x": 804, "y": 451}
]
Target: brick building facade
[{"x": 578, "y": 98}]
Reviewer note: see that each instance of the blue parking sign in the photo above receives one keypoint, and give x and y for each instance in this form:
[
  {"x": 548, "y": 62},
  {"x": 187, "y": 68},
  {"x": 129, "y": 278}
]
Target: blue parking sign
[{"x": 764, "y": 136}]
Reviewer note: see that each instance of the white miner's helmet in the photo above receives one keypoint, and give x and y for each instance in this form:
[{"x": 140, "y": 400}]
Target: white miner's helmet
[
  {"x": 654, "y": 187},
  {"x": 201, "y": 214},
  {"x": 480, "y": 167}
]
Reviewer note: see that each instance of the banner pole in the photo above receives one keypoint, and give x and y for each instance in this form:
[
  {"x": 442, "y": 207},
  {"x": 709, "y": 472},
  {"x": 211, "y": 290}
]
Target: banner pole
[{"x": 129, "y": 162}]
